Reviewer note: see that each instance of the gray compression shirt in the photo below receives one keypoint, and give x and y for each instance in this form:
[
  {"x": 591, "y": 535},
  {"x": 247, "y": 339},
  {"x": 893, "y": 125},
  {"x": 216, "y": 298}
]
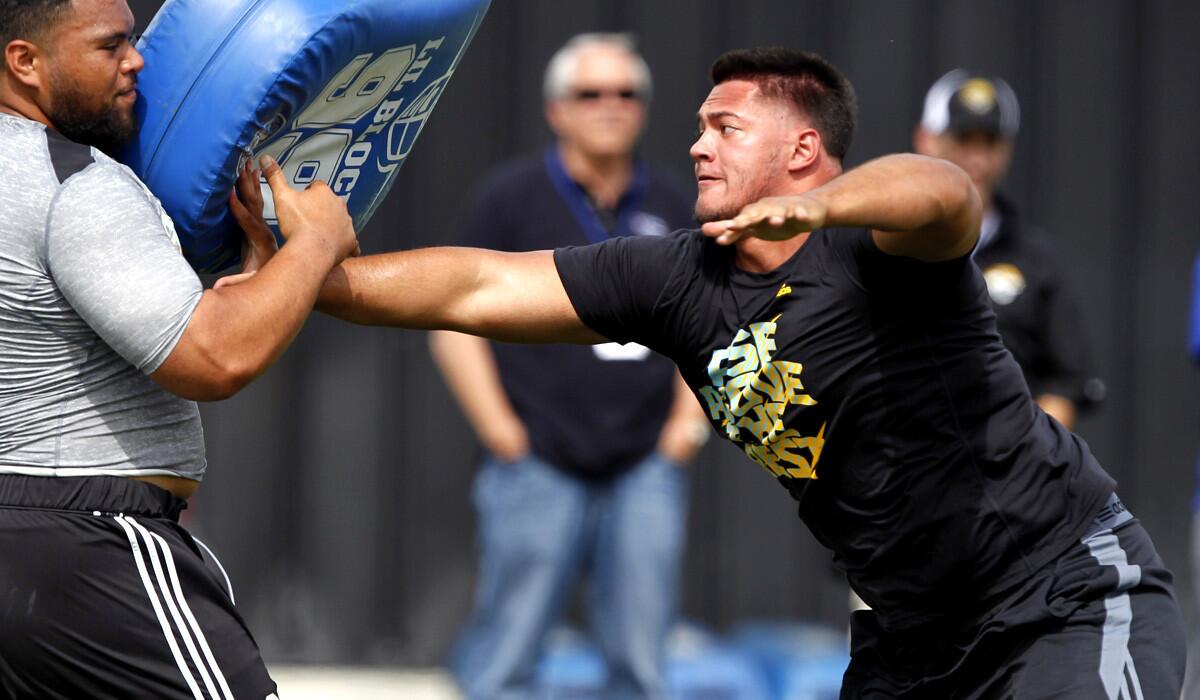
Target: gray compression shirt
[{"x": 94, "y": 295}]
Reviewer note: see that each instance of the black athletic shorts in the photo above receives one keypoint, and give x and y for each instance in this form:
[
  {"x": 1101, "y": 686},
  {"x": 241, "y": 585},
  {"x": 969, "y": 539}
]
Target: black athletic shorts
[
  {"x": 104, "y": 595},
  {"x": 1100, "y": 622}
]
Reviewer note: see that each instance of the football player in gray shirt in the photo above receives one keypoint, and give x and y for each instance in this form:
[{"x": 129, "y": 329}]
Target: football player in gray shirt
[{"x": 107, "y": 339}]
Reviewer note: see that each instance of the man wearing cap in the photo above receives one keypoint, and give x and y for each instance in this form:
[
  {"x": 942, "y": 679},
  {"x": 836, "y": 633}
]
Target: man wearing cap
[{"x": 972, "y": 121}]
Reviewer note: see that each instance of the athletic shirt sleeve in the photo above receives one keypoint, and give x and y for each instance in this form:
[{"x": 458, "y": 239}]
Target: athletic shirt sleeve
[
  {"x": 615, "y": 286},
  {"x": 897, "y": 276},
  {"x": 115, "y": 257}
]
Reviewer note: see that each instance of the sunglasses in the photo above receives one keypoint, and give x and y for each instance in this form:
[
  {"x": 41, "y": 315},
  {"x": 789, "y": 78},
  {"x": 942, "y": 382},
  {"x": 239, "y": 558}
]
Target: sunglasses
[{"x": 593, "y": 95}]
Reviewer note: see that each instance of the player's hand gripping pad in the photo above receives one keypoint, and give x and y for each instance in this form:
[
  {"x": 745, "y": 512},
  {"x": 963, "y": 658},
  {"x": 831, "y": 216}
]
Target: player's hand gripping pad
[{"x": 335, "y": 90}]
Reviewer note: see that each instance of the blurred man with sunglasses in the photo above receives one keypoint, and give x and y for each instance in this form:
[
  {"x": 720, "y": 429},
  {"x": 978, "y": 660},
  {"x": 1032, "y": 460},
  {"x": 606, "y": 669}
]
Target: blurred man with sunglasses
[{"x": 584, "y": 445}]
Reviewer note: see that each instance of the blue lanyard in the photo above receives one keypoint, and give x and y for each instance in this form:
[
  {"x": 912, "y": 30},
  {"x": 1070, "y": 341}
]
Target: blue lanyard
[{"x": 582, "y": 208}]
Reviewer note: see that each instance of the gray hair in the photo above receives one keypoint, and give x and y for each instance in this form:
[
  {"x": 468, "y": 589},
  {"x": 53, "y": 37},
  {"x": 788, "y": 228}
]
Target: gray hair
[{"x": 560, "y": 71}]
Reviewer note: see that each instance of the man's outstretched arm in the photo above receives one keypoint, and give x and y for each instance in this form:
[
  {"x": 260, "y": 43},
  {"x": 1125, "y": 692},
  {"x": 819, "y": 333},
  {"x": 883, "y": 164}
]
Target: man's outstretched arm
[
  {"x": 918, "y": 207},
  {"x": 516, "y": 297}
]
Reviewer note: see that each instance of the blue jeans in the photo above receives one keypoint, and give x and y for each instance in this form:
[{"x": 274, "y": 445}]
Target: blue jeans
[{"x": 538, "y": 527}]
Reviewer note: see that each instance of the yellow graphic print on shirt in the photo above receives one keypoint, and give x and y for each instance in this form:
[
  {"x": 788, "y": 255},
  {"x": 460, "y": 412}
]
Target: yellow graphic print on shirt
[{"x": 749, "y": 395}]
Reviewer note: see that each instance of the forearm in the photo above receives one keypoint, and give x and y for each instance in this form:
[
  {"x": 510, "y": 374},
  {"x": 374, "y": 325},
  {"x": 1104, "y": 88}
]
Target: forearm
[
  {"x": 263, "y": 316},
  {"x": 924, "y": 207},
  {"x": 506, "y": 296},
  {"x": 419, "y": 289},
  {"x": 238, "y": 331}
]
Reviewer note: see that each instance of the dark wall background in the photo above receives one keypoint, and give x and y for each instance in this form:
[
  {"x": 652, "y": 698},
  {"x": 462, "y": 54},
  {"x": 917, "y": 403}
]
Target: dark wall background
[{"x": 338, "y": 493}]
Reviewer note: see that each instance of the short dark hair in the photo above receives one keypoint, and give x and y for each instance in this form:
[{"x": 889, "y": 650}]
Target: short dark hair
[
  {"x": 810, "y": 82},
  {"x": 27, "y": 19}
]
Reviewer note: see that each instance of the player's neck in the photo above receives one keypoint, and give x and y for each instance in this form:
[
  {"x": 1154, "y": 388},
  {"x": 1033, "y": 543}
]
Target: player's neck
[
  {"x": 604, "y": 177},
  {"x": 18, "y": 106},
  {"x": 759, "y": 256}
]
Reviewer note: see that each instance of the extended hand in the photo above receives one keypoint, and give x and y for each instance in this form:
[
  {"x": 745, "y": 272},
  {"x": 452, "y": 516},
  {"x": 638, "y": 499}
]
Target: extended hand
[
  {"x": 770, "y": 218},
  {"x": 314, "y": 211}
]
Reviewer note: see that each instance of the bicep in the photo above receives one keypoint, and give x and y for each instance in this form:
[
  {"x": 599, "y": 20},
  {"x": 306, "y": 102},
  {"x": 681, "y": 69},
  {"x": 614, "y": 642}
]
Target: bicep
[
  {"x": 521, "y": 298},
  {"x": 192, "y": 370},
  {"x": 514, "y": 297},
  {"x": 926, "y": 245},
  {"x": 951, "y": 231}
]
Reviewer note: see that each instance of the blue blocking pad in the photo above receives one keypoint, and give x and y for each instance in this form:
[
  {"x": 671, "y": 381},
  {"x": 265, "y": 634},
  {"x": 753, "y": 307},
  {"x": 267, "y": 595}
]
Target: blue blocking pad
[{"x": 335, "y": 90}]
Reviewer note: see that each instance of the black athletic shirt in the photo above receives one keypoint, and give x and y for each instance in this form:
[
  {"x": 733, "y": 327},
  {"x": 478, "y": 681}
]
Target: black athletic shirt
[
  {"x": 591, "y": 412},
  {"x": 876, "y": 389}
]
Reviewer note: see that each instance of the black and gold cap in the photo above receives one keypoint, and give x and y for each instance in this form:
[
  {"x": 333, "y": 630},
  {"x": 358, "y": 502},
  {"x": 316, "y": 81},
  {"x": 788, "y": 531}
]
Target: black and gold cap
[{"x": 962, "y": 101}]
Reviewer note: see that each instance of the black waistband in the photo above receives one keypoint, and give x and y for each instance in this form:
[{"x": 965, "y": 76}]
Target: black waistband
[
  {"x": 107, "y": 494},
  {"x": 1111, "y": 516}
]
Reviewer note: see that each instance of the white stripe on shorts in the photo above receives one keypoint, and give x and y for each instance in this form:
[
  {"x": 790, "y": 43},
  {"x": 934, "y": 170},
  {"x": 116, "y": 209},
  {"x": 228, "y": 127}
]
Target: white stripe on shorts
[
  {"x": 177, "y": 591},
  {"x": 151, "y": 541},
  {"x": 139, "y": 560},
  {"x": 1117, "y": 670}
]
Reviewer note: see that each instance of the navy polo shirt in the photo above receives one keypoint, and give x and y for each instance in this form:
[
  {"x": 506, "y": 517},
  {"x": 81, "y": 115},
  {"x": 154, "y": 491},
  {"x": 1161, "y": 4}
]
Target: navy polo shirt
[{"x": 592, "y": 411}]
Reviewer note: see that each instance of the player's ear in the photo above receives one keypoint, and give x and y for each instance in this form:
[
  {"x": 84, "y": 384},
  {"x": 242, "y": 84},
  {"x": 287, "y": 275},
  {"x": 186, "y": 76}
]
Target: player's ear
[
  {"x": 25, "y": 61},
  {"x": 806, "y": 148}
]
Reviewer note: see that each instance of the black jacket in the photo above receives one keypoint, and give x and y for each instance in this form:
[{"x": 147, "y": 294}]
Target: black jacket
[{"x": 1035, "y": 314}]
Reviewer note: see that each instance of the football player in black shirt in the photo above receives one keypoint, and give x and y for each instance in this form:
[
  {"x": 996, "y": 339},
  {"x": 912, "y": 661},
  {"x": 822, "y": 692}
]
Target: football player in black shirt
[{"x": 837, "y": 331}]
